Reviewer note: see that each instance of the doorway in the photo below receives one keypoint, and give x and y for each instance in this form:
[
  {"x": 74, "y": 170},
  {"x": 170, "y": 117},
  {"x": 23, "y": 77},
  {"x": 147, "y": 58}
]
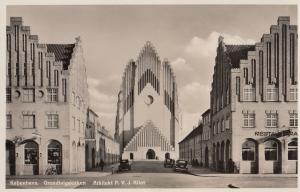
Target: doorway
[
  {"x": 150, "y": 154},
  {"x": 10, "y": 158}
]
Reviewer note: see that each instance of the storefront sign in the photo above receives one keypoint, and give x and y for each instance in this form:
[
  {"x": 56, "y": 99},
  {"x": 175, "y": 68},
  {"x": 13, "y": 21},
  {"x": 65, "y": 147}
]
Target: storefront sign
[{"x": 275, "y": 134}]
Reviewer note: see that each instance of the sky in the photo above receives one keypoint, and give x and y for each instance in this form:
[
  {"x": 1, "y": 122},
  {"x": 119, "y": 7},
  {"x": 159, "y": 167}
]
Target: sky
[{"x": 184, "y": 34}]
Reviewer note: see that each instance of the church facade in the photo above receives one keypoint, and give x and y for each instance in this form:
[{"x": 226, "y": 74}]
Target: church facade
[{"x": 147, "y": 119}]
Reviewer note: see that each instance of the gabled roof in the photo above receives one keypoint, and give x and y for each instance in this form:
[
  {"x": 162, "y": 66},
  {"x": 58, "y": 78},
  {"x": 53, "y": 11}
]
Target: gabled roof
[
  {"x": 62, "y": 52},
  {"x": 238, "y": 52},
  {"x": 197, "y": 131}
]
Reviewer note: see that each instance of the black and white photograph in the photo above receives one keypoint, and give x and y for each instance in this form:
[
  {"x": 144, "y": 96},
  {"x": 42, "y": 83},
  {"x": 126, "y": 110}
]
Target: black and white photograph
[{"x": 150, "y": 95}]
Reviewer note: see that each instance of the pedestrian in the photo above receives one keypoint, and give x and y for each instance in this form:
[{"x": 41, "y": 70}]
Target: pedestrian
[
  {"x": 230, "y": 166},
  {"x": 101, "y": 164}
]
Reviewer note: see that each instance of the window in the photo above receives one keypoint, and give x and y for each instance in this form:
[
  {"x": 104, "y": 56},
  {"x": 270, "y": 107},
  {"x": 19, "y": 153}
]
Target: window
[
  {"x": 248, "y": 151},
  {"x": 249, "y": 94},
  {"x": 293, "y": 94},
  {"x": 227, "y": 123},
  {"x": 56, "y": 78},
  {"x": 272, "y": 94},
  {"x": 73, "y": 98},
  {"x": 28, "y": 121},
  {"x": 28, "y": 95},
  {"x": 8, "y": 95},
  {"x": 293, "y": 149},
  {"x": 78, "y": 122},
  {"x": 52, "y": 95},
  {"x": 272, "y": 119},
  {"x": 74, "y": 124},
  {"x": 249, "y": 120},
  {"x": 294, "y": 120},
  {"x": 52, "y": 121},
  {"x": 271, "y": 149},
  {"x": 31, "y": 153},
  {"x": 54, "y": 153},
  {"x": 8, "y": 121},
  {"x": 215, "y": 129},
  {"x": 223, "y": 125}
]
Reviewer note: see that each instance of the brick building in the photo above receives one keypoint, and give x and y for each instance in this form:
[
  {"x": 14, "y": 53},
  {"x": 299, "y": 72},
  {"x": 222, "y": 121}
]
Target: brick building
[
  {"x": 47, "y": 101},
  {"x": 196, "y": 145},
  {"x": 254, "y": 116},
  {"x": 99, "y": 144},
  {"x": 147, "y": 119}
]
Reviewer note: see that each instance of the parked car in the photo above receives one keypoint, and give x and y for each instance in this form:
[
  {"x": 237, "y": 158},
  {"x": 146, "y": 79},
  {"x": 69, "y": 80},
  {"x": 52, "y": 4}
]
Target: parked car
[
  {"x": 169, "y": 163},
  {"x": 181, "y": 165},
  {"x": 124, "y": 165}
]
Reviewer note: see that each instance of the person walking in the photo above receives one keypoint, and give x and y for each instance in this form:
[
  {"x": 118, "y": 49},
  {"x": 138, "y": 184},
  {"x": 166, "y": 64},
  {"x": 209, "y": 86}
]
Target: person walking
[{"x": 101, "y": 164}]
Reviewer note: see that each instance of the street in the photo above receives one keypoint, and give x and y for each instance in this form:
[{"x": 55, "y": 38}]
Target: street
[{"x": 152, "y": 174}]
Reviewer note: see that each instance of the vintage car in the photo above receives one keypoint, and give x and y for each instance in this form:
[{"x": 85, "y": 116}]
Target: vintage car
[
  {"x": 181, "y": 165},
  {"x": 124, "y": 165},
  {"x": 169, "y": 163}
]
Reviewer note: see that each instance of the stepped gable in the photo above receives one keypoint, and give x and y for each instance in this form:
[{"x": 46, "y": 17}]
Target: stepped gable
[
  {"x": 146, "y": 137},
  {"x": 237, "y": 53},
  {"x": 62, "y": 52}
]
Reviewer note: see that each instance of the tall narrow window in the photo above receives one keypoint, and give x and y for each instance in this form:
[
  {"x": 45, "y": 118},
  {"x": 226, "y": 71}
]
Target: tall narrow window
[
  {"x": 8, "y": 121},
  {"x": 64, "y": 90},
  {"x": 74, "y": 123},
  {"x": 8, "y": 95},
  {"x": 56, "y": 78}
]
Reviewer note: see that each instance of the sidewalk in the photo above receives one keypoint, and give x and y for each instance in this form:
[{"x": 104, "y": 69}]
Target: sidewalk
[
  {"x": 95, "y": 172},
  {"x": 206, "y": 172}
]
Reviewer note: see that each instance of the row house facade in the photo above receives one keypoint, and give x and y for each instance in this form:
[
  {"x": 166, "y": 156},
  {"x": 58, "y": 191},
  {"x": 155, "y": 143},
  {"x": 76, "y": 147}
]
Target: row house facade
[
  {"x": 47, "y": 101},
  {"x": 254, "y": 117},
  {"x": 195, "y": 147},
  {"x": 99, "y": 144}
]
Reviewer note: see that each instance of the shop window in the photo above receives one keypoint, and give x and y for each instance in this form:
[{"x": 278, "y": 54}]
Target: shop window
[
  {"x": 248, "y": 151},
  {"x": 293, "y": 150},
  {"x": 249, "y": 120},
  {"x": 271, "y": 120},
  {"x": 31, "y": 153},
  {"x": 293, "y": 120},
  {"x": 54, "y": 153},
  {"x": 271, "y": 150}
]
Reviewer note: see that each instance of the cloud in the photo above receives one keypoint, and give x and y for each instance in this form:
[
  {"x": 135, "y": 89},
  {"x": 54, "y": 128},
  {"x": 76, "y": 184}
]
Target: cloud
[
  {"x": 180, "y": 64},
  {"x": 103, "y": 102},
  {"x": 194, "y": 97},
  {"x": 194, "y": 71},
  {"x": 200, "y": 47}
]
